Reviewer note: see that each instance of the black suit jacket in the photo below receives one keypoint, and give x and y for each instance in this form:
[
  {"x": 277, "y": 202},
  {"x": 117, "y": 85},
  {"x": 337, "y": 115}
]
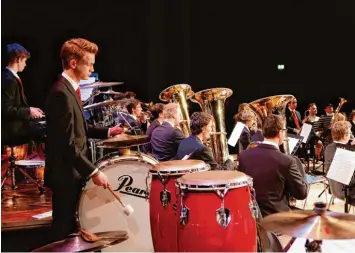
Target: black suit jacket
[
  {"x": 275, "y": 176},
  {"x": 352, "y": 127},
  {"x": 165, "y": 141},
  {"x": 15, "y": 112},
  {"x": 67, "y": 163},
  {"x": 291, "y": 125},
  {"x": 151, "y": 128},
  {"x": 193, "y": 145},
  {"x": 134, "y": 127}
]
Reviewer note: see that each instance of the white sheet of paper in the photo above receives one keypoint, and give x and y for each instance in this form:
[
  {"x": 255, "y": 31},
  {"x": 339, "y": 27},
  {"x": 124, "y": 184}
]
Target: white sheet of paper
[
  {"x": 43, "y": 215},
  {"x": 292, "y": 142},
  {"x": 237, "y": 131},
  {"x": 305, "y": 131},
  {"x": 343, "y": 166},
  {"x": 330, "y": 246}
]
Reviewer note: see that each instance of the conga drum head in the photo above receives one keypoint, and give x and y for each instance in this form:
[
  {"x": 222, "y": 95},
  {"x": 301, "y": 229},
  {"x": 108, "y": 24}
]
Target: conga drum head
[
  {"x": 179, "y": 167},
  {"x": 217, "y": 179}
]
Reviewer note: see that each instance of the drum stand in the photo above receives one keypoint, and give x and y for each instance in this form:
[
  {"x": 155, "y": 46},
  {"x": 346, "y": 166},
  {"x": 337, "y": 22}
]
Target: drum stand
[{"x": 10, "y": 173}]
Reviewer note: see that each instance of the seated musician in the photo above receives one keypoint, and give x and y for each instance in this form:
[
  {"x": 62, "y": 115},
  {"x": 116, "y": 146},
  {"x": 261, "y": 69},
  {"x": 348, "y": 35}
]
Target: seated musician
[
  {"x": 250, "y": 132},
  {"x": 293, "y": 117},
  {"x": 156, "y": 120},
  {"x": 352, "y": 122},
  {"x": 314, "y": 139},
  {"x": 325, "y": 122},
  {"x": 275, "y": 175},
  {"x": 166, "y": 138},
  {"x": 195, "y": 145},
  {"x": 341, "y": 132},
  {"x": 132, "y": 120},
  {"x": 16, "y": 113}
]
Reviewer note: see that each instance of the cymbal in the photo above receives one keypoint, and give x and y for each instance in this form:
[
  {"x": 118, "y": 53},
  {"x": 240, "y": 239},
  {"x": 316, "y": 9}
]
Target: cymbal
[
  {"x": 101, "y": 104},
  {"x": 77, "y": 244},
  {"x": 110, "y": 92},
  {"x": 317, "y": 224},
  {"x": 100, "y": 84},
  {"x": 124, "y": 140}
]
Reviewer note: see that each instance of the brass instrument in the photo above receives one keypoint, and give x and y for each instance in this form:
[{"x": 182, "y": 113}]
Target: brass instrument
[
  {"x": 212, "y": 101},
  {"x": 179, "y": 93},
  {"x": 341, "y": 102},
  {"x": 269, "y": 105}
]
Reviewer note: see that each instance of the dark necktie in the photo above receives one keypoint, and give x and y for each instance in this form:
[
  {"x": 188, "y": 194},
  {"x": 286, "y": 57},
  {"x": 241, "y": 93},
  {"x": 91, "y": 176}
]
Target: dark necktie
[
  {"x": 295, "y": 119},
  {"x": 78, "y": 93},
  {"x": 22, "y": 90}
]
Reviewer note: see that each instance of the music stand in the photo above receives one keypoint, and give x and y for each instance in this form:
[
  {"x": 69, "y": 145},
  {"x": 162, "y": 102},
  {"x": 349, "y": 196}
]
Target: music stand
[{"x": 294, "y": 142}]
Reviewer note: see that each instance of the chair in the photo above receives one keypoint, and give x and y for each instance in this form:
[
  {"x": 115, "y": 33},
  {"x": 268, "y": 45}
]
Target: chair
[
  {"x": 10, "y": 171},
  {"x": 337, "y": 190}
]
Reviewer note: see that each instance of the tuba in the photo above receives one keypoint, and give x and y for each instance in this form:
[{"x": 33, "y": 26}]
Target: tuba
[
  {"x": 179, "y": 94},
  {"x": 269, "y": 105},
  {"x": 212, "y": 101}
]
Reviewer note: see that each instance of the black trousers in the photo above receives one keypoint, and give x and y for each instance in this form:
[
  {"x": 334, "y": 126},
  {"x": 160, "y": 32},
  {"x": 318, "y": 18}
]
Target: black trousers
[{"x": 64, "y": 205}]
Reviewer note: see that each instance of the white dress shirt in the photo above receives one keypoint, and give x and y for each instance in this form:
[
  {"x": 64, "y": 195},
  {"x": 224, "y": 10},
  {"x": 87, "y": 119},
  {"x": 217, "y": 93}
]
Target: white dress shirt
[{"x": 13, "y": 72}]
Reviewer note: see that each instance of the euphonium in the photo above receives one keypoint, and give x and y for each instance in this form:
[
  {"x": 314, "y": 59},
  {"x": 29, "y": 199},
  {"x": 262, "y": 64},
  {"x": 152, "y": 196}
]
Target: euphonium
[
  {"x": 274, "y": 104},
  {"x": 212, "y": 101},
  {"x": 179, "y": 93}
]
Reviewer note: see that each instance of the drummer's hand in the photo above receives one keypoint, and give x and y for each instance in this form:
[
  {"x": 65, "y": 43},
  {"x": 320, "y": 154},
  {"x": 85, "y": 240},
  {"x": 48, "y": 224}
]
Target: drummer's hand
[
  {"x": 35, "y": 113},
  {"x": 100, "y": 180},
  {"x": 115, "y": 130}
]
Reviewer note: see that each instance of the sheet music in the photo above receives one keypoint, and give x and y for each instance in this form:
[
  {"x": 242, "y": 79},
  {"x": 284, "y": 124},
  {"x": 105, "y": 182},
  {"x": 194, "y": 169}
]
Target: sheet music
[
  {"x": 85, "y": 93},
  {"x": 327, "y": 245},
  {"x": 292, "y": 143},
  {"x": 305, "y": 131},
  {"x": 237, "y": 131},
  {"x": 343, "y": 166}
]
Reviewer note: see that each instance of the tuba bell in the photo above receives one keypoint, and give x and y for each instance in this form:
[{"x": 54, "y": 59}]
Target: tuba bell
[
  {"x": 179, "y": 94},
  {"x": 272, "y": 105},
  {"x": 212, "y": 101}
]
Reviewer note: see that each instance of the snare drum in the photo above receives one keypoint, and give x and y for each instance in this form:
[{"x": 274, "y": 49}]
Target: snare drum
[
  {"x": 216, "y": 212},
  {"x": 162, "y": 200},
  {"x": 34, "y": 168},
  {"x": 99, "y": 211}
]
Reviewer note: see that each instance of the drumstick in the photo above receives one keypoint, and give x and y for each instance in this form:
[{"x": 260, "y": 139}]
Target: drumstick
[{"x": 127, "y": 209}]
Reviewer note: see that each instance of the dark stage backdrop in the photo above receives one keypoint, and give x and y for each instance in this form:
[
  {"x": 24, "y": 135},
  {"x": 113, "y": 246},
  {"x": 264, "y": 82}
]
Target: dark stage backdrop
[{"x": 150, "y": 45}]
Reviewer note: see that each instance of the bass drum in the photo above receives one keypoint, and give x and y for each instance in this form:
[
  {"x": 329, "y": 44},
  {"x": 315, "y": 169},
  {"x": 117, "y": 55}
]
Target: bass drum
[{"x": 99, "y": 211}]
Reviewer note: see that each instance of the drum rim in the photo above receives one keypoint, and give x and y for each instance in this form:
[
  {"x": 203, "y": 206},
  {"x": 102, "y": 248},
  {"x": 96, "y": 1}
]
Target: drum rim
[
  {"x": 31, "y": 163},
  {"x": 177, "y": 172},
  {"x": 221, "y": 186}
]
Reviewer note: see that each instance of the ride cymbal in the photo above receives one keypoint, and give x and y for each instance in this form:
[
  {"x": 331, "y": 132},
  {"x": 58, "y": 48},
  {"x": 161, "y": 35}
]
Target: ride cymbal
[
  {"x": 100, "y": 85},
  {"x": 77, "y": 243},
  {"x": 124, "y": 140},
  {"x": 317, "y": 224}
]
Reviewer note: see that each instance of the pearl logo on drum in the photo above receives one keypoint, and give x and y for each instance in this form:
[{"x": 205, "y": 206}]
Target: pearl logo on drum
[{"x": 125, "y": 186}]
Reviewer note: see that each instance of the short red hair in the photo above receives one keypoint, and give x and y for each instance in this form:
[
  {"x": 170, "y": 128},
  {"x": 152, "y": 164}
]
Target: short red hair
[{"x": 76, "y": 48}]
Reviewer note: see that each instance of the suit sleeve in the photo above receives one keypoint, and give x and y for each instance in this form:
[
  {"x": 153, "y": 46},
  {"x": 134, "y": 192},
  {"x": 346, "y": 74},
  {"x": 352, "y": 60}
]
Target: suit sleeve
[
  {"x": 295, "y": 180},
  {"x": 207, "y": 156},
  {"x": 328, "y": 157},
  {"x": 244, "y": 139},
  {"x": 61, "y": 110},
  {"x": 9, "y": 88}
]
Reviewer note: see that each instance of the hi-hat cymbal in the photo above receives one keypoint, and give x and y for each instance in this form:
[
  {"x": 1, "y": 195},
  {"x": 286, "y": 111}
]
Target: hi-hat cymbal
[
  {"x": 77, "y": 244},
  {"x": 317, "y": 224},
  {"x": 101, "y": 104},
  {"x": 110, "y": 92},
  {"x": 124, "y": 140},
  {"x": 100, "y": 84}
]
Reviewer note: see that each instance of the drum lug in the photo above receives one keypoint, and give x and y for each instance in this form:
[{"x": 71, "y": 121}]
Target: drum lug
[
  {"x": 223, "y": 217},
  {"x": 165, "y": 197},
  {"x": 184, "y": 215}
]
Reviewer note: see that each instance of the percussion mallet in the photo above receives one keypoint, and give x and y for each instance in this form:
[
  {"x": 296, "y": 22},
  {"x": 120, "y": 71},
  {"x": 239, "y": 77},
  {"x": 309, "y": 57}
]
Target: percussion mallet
[{"x": 127, "y": 209}]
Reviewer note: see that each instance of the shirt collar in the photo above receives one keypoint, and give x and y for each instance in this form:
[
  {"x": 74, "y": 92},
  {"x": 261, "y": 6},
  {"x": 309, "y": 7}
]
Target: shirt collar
[
  {"x": 270, "y": 143},
  {"x": 133, "y": 116},
  {"x": 13, "y": 72},
  {"x": 74, "y": 84},
  {"x": 329, "y": 114},
  {"x": 339, "y": 142}
]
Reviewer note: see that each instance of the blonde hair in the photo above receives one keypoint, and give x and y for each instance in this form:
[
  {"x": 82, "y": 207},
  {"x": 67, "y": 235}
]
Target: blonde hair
[
  {"x": 339, "y": 117},
  {"x": 170, "y": 110},
  {"x": 76, "y": 49},
  {"x": 340, "y": 129}
]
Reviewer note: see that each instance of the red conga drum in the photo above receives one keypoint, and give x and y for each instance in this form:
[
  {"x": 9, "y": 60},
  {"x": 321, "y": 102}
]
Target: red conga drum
[
  {"x": 215, "y": 212},
  {"x": 162, "y": 200}
]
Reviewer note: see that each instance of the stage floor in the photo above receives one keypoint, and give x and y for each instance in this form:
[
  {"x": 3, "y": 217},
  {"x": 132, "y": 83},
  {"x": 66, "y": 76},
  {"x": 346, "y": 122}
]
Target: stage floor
[{"x": 19, "y": 206}]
